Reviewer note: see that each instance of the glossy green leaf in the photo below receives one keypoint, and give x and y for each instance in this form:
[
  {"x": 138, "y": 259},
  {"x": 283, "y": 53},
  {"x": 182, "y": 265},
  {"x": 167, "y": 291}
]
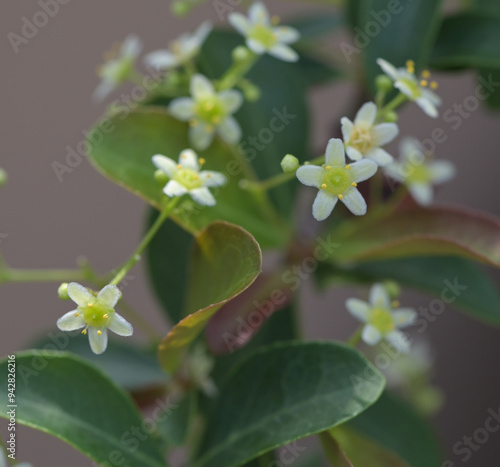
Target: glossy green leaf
[
  {"x": 426, "y": 232},
  {"x": 297, "y": 389},
  {"x": 69, "y": 398},
  {"x": 124, "y": 155},
  {"x": 393, "y": 424},
  {"x": 225, "y": 261}
]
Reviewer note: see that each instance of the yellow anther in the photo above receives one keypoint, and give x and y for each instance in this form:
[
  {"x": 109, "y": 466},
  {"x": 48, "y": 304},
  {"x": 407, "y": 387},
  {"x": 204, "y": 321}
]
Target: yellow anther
[
  {"x": 410, "y": 64},
  {"x": 426, "y": 74},
  {"x": 395, "y": 303},
  {"x": 77, "y": 314},
  {"x": 424, "y": 83},
  {"x": 84, "y": 331},
  {"x": 106, "y": 316},
  {"x": 196, "y": 177},
  {"x": 324, "y": 186},
  {"x": 348, "y": 167},
  {"x": 328, "y": 167},
  {"x": 99, "y": 333},
  {"x": 341, "y": 196},
  {"x": 202, "y": 161},
  {"x": 90, "y": 305},
  {"x": 179, "y": 166},
  {"x": 354, "y": 184},
  {"x": 275, "y": 20},
  {"x": 434, "y": 85}
]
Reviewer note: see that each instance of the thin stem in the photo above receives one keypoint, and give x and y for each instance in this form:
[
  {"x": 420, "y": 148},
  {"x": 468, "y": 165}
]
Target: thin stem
[
  {"x": 136, "y": 256},
  {"x": 237, "y": 71},
  {"x": 355, "y": 339},
  {"x": 41, "y": 275},
  {"x": 394, "y": 104}
]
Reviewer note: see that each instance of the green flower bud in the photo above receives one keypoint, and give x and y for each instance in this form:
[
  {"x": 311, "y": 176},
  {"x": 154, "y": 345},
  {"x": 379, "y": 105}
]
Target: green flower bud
[
  {"x": 383, "y": 83},
  {"x": 180, "y": 8},
  {"x": 62, "y": 291},
  {"x": 161, "y": 177},
  {"x": 290, "y": 164},
  {"x": 393, "y": 289},
  {"x": 391, "y": 117},
  {"x": 241, "y": 54},
  {"x": 3, "y": 177},
  {"x": 251, "y": 91}
]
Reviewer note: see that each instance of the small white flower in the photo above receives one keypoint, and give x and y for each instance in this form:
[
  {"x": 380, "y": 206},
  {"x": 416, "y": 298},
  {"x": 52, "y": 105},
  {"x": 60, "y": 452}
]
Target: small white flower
[
  {"x": 118, "y": 68},
  {"x": 382, "y": 319},
  {"x": 208, "y": 111},
  {"x": 365, "y": 139},
  {"x": 416, "y": 90},
  {"x": 186, "y": 178},
  {"x": 96, "y": 314},
  {"x": 418, "y": 174},
  {"x": 182, "y": 50},
  {"x": 262, "y": 36},
  {"x": 337, "y": 181}
]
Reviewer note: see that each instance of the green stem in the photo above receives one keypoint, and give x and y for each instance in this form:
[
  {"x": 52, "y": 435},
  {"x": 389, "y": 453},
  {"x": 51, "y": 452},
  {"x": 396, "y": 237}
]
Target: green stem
[
  {"x": 355, "y": 339},
  {"x": 237, "y": 71},
  {"x": 394, "y": 104},
  {"x": 136, "y": 256},
  {"x": 41, "y": 275}
]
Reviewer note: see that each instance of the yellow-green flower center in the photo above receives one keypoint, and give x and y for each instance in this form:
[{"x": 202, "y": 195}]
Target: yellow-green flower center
[
  {"x": 382, "y": 319},
  {"x": 96, "y": 314},
  {"x": 336, "y": 180},
  {"x": 264, "y": 35},
  {"x": 412, "y": 83},
  {"x": 419, "y": 174},
  {"x": 211, "y": 110},
  {"x": 361, "y": 139},
  {"x": 189, "y": 178}
]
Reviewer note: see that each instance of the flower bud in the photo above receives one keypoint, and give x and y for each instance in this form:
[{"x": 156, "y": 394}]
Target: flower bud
[
  {"x": 180, "y": 8},
  {"x": 251, "y": 91},
  {"x": 391, "y": 117},
  {"x": 161, "y": 177},
  {"x": 3, "y": 177},
  {"x": 290, "y": 164},
  {"x": 383, "y": 83},
  {"x": 393, "y": 289},
  {"x": 241, "y": 54},
  {"x": 62, "y": 291}
]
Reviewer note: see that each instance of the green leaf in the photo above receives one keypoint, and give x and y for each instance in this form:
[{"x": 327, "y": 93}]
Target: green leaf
[
  {"x": 175, "y": 425},
  {"x": 225, "y": 261},
  {"x": 426, "y": 232},
  {"x": 316, "y": 26},
  {"x": 297, "y": 389},
  {"x": 490, "y": 7},
  {"x": 489, "y": 80},
  {"x": 468, "y": 41},
  {"x": 393, "y": 424},
  {"x": 127, "y": 144},
  {"x": 334, "y": 453},
  {"x": 69, "y": 398},
  {"x": 167, "y": 265}
]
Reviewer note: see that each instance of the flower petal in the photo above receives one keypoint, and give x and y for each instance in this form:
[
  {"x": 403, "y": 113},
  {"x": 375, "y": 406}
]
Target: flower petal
[
  {"x": 335, "y": 154},
  {"x": 396, "y": 171},
  {"x": 286, "y": 34},
  {"x": 201, "y": 87},
  {"x": 412, "y": 151},
  {"x": 358, "y": 308},
  {"x": 204, "y": 29},
  {"x": 284, "y": 52},
  {"x": 256, "y": 47},
  {"x": 389, "y": 69},
  {"x": 109, "y": 296},
  {"x": 102, "y": 91},
  {"x": 174, "y": 189},
  {"x": 379, "y": 156},
  {"x": 353, "y": 153},
  {"x": 182, "y": 108},
  {"x": 422, "y": 193},
  {"x": 119, "y": 325},
  {"x": 432, "y": 97},
  {"x": 239, "y": 22},
  {"x": 131, "y": 46},
  {"x": 79, "y": 294},
  {"x": 384, "y": 133},
  {"x": 323, "y": 205},
  {"x": 406, "y": 89},
  {"x": 441, "y": 171},
  {"x": 203, "y": 196},
  {"x": 354, "y": 201},
  {"x": 399, "y": 341},
  {"x": 363, "y": 170},
  {"x": 427, "y": 106},
  {"x": 311, "y": 175},
  {"x": 258, "y": 13},
  {"x": 212, "y": 179},
  {"x": 347, "y": 127},
  {"x": 230, "y": 131},
  {"x": 404, "y": 317},
  {"x": 70, "y": 322},
  {"x": 366, "y": 115},
  {"x": 201, "y": 136},
  {"x": 161, "y": 60},
  {"x": 371, "y": 335},
  {"x": 379, "y": 297},
  {"x": 98, "y": 343},
  {"x": 188, "y": 159},
  {"x": 232, "y": 100},
  {"x": 165, "y": 164}
]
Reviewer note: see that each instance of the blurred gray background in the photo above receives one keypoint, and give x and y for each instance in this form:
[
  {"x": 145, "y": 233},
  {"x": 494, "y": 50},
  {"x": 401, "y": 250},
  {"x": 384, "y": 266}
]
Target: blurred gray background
[{"x": 45, "y": 105}]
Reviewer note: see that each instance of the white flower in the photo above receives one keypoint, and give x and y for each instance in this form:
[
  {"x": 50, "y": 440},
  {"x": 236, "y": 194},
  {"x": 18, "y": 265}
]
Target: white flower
[
  {"x": 382, "y": 320},
  {"x": 418, "y": 174},
  {"x": 186, "y": 178},
  {"x": 96, "y": 314},
  {"x": 118, "y": 68},
  {"x": 262, "y": 36},
  {"x": 182, "y": 50},
  {"x": 208, "y": 111},
  {"x": 337, "y": 181},
  {"x": 364, "y": 139},
  {"x": 416, "y": 90}
]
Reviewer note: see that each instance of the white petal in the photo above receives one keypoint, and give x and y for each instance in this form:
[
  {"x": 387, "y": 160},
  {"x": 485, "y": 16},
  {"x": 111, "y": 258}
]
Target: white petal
[
  {"x": 366, "y": 115},
  {"x": 354, "y": 201},
  {"x": 202, "y": 196},
  {"x": 422, "y": 193},
  {"x": 412, "y": 151},
  {"x": 399, "y": 341},
  {"x": 323, "y": 205},
  {"x": 347, "y": 127},
  {"x": 396, "y": 171},
  {"x": 286, "y": 34},
  {"x": 98, "y": 343},
  {"x": 404, "y": 317},
  {"x": 284, "y": 52},
  {"x": 201, "y": 136},
  {"x": 371, "y": 335},
  {"x": 119, "y": 325},
  {"x": 431, "y": 96},
  {"x": 204, "y": 29},
  {"x": 258, "y": 13},
  {"x": 174, "y": 188},
  {"x": 311, "y": 175},
  {"x": 384, "y": 133},
  {"x": 201, "y": 87},
  {"x": 334, "y": 154},
  {"x": 109, "y": 296},
  {"x": 256, "y": 47},
  {"x": 188, "y": 159},
  {"x": 161, "y": 60},
  {"x": 427, "y": 106},
  {"x": 405, "y": 88},
  {"x": 231, "y": 100},
  {"x": 379, "y": 156},
  {"x": 379, "y": 297},
  {"x": 165, "y": 164},
  {"x": 363, "y": 170},
  {"x": 79, "y": 294},
  {"x": 182, "y": 108},
  {"x": 102, "y": 91},
  {"x": 212, "y": 179},
  {"x": 70, "y": 322},
  {"x": 358, "y": 308},
  {"x": 441, "y": 171},
  {"x": 131, "y": 46},
  {"x": 230, "y": 131},
  {"x": 353, "y": 153},
  {"x": 239, "y": 22},
  {"x": 388, "y": 69}
]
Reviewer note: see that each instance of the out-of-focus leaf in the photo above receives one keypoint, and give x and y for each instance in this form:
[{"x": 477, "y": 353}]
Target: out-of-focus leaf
[
  {"x": 317, "y": 25},
  {"x": 174, "y": 422},
  {"x": 298, "y": 389},
  {"x": 225, "y": 261},
  {"x": 490, "y": 7},
  {"x": 491, "y": 76},
  {"x": 334, "y": 453}
]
